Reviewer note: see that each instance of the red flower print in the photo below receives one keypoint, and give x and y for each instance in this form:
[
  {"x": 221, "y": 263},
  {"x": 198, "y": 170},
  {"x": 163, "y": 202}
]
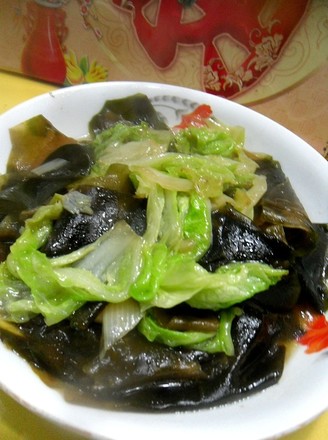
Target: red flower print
[{"x": 84, "y": 10}]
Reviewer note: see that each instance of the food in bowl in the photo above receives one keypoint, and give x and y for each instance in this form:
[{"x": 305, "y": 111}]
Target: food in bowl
[{"x": 155, "y": 267}]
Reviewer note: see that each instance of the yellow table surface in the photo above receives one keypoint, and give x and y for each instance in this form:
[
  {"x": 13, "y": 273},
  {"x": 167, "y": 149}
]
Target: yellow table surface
[{"x": 18, "y": 423}]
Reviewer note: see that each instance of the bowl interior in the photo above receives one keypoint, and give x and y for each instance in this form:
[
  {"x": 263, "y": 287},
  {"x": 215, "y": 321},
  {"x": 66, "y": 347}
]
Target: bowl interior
[{"x": 302, "y": 392}]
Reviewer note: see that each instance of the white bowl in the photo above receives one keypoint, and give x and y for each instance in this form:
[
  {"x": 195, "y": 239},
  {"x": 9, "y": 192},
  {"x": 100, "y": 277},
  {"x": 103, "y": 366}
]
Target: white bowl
[{"x": 301, "y": 394}]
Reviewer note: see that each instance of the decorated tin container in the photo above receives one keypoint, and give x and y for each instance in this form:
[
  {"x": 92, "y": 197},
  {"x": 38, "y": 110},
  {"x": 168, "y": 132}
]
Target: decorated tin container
[{"x": 271, "y": 55}]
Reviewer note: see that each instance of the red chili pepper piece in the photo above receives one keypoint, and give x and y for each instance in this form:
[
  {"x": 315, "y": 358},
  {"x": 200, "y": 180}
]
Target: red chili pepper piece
[
  {"x": 197, "y": 118},
  {"x": 316, "y": 336}
]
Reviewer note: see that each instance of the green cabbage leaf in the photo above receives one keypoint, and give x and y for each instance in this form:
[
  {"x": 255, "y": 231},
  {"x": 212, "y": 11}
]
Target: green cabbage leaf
[{"x": 183, "y": 176}]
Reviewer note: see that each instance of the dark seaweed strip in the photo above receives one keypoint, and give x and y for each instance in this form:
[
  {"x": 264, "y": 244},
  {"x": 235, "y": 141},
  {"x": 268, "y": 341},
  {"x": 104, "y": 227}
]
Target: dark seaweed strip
[
  {"x": 134, "y": 110},
  {"x": 138, "y": 374}
]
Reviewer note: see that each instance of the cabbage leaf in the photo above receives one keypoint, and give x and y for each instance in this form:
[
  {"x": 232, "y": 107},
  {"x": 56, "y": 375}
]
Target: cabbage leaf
[{"x": 182, "y": 176}]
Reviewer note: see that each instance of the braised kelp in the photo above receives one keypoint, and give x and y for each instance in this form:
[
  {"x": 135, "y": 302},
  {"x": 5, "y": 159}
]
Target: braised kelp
[{"x": 153, "y": 267}]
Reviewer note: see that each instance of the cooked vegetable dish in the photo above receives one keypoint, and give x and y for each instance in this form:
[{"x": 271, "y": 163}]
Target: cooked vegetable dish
[{"x": 154, "y": 267}]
